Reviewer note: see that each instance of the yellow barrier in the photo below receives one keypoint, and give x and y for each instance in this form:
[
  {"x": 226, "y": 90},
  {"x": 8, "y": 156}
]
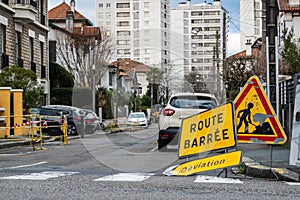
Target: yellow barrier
[
  {"x": 33, "y": 125},
  {"x": 122, "y": 124}
]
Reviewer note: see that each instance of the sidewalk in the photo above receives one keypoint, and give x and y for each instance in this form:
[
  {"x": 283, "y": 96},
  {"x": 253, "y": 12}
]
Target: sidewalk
[{"x": 257, "y": 159}]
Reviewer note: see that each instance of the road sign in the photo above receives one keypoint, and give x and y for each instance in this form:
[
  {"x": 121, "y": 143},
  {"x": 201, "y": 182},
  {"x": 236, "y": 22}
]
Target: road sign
[
  {"x": 255, "y": 118},
  {"x": 210, "y": 130},
  {"x": 205, "y": 164}
]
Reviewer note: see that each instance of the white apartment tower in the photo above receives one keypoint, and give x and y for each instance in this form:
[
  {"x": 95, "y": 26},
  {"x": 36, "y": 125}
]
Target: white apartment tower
[
  {"x": 250, "y": 22},
  {"x": 139, "y": 28},
  {"x": 199, "y": 41}
]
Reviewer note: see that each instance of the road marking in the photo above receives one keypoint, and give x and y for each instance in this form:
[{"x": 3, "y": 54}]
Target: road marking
[
  {"x": 125, "y": 177},
  {"x": 22, "y": 166},
  {"x": 154, "y": 149},
  {"x": 211, "y": 179},
  {"x": 293, "y": 183},
  {"x": 39, "y": 176}
]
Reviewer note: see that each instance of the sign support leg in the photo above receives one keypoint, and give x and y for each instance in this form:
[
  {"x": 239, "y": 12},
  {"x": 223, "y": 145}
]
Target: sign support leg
[{"x": 271, "y": 159}]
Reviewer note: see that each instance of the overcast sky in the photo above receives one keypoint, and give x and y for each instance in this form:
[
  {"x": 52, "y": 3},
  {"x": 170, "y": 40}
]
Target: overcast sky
[{"x": 87, "y": 8}]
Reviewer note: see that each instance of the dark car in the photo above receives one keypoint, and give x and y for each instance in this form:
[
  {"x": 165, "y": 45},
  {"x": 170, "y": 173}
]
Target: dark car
[
  {"x": 75, "y": 118},
  {"x": 51, "y": 121},
  {"x": 92, "y": 121}
]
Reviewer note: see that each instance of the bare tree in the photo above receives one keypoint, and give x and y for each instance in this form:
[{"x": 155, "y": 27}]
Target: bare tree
[{"x": 80, "y": 50}]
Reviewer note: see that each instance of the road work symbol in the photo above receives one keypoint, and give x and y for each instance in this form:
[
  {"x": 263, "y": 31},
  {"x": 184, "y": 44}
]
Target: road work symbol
[
  {"x": 245, "y": 117},
  {"x": 255, "y": 118}
]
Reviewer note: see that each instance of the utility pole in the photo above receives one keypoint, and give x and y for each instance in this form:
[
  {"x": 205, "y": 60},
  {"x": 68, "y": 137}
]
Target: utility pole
[
  {"x": 271, "y": 34},
  {"x": 216, "y": 62},
  {"x": 117, "y": 90}
]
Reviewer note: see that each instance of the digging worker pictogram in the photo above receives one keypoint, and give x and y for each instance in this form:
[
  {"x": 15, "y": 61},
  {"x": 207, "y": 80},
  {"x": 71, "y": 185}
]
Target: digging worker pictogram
[{"x": 245, "y": 117}]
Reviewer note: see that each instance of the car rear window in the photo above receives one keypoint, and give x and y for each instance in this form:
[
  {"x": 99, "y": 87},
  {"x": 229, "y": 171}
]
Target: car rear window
[
  {"x": 136, "y": 115},
  {"x": 200, "y": 102},
  {"x": 49, "y": 112}
]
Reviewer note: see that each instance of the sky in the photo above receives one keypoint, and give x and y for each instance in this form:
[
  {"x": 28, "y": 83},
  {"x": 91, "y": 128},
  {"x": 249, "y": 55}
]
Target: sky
[{"x": 87, "y": 8}]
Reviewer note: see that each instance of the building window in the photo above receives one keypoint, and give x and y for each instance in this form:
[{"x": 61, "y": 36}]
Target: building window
[
  {"x": 43, "y": 68},
  {"x": 110, "y": 79},
  {"x": 123, "y": 14},
  {"x": 31, "y": 49},
  {"x": 100, "y": 5},
  {"x": 123, "y": 5},
  {"x": 42, "y": 53},
  {"x": 2, "y": 38},
  {"x": 123, "y": 33},
  {"x": 123, "y": 42},
  {"x": 146, "y": 5},
  {"x": 108, "y": 5},
  {"x": 18, "y": 46},
  {"x": 126, "y": 23}
]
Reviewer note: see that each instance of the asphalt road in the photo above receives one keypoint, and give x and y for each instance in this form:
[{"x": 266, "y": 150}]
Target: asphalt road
[{"x": 121, "y": 165}]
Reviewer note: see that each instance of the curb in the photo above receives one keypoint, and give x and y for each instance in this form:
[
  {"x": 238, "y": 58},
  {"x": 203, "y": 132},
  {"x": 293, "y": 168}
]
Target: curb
[
  {"x": 255, "y": 169},
  {"x": 13, "y": 144}
]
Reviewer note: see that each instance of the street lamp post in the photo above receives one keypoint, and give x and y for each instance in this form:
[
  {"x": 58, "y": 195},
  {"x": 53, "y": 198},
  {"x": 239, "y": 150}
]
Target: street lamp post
[
  {"x": 117, "y": 89},
  {"x": 93, "y": 89}
]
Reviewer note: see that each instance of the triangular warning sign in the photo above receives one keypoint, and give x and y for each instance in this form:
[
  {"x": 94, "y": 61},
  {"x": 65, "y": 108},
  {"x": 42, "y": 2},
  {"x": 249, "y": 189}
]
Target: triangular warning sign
[{"x": 255, "y": 118}]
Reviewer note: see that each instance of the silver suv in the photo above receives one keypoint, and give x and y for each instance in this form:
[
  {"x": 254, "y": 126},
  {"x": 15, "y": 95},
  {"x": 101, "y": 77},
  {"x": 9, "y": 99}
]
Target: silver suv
[{"x": 180, "y": 106}]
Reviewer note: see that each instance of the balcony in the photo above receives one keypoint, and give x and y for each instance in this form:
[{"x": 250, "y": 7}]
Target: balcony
[
  {"x": 33, "y": 66},
  {"x": 4, "y": 61},
  {"x": 25, "y": 10}
]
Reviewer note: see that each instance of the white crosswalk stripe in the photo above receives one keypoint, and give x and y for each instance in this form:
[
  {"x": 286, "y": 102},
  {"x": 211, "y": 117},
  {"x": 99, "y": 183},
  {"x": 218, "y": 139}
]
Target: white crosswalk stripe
[
  {"x": 213, "y": 179},
  {"x": 125, "y": 177},
  {"x": 39, "y": 176},
  {"x": 293, "y": 183}
]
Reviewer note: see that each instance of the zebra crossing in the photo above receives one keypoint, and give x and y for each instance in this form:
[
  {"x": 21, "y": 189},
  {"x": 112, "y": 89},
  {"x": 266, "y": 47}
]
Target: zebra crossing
[
  {"x": 122, "y": 177},
  {"x": 125, "y": 177}
]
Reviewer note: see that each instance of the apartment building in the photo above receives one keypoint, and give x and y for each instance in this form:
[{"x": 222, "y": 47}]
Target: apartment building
[
  {"x": 250, "y": 22},
  {"x": 199, "y": 43},
  {"x": 24, "y": 36},
  {"x": 139, "y": 28}
]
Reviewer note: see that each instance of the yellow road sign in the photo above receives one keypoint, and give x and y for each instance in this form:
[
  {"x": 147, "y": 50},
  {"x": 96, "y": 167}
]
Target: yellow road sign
[
  {"x": 210, "y": 130},
  {"x": 206, "y": 164},
  {"x": 255, "y": 117}
]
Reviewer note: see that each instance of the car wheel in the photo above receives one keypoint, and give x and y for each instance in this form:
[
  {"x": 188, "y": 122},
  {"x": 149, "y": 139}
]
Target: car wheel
[
  {"x": 54, "y": 131},
  {"x": 162, "y": 145},
  {"x": 72, "y": 129}
]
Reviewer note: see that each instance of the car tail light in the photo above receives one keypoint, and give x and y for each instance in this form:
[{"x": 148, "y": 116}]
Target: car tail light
[
  {"x": 77, "y": 118},
  {"x": 165, "y": 135},
  {"x": 168, "y": 112}
]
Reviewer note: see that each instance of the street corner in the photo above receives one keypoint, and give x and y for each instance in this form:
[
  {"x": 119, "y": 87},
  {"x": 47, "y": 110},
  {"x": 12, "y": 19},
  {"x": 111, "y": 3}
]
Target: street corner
[
  {"x": 255, "y": 169},
  {"x": 284, "y": 174}
]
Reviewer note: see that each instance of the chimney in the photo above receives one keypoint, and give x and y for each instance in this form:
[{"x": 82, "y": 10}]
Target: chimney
[
  {"x": 72, "y": 4},
  {"x": 248, "y": 47},
  {"x": 188, "y": 2},
  {"x": 217, "y": 3}
]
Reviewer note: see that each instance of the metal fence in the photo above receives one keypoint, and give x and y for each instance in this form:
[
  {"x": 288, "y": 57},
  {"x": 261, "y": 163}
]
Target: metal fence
[{"x": 287, "y": 91}]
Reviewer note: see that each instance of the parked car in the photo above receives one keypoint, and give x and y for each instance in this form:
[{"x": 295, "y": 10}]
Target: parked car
[
  {"x": 92, "y": 121},
  {"x": 51, "y": 120},
  {"x": 137, "y": 119},
  {"x": 180, "y": 106},
  {"x": 75, "y": 117}
]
